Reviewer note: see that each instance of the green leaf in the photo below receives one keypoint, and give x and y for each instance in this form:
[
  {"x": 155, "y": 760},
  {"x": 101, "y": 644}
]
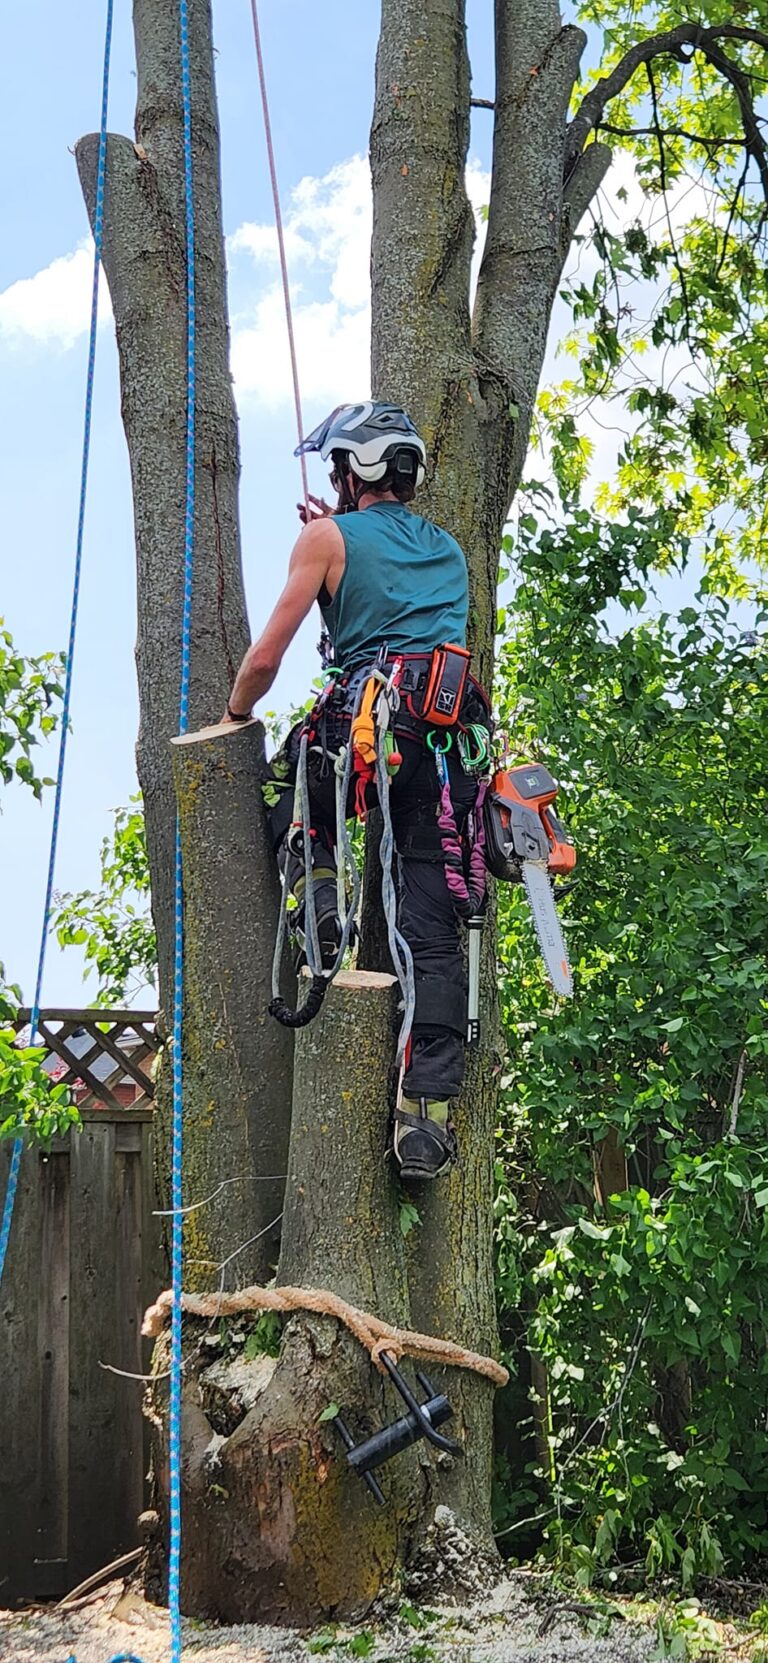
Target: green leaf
[
  {"x": 596, "y": 1232},
  {"x": 323, "y": 1641},
  {"x": 330, "y": 1412},
  {"x": 362, "y": 1645},
  {"x": 734, "y": 1478},
  {"x": 408, "y": 1216},
  {"x": 688, "y": 1568}
]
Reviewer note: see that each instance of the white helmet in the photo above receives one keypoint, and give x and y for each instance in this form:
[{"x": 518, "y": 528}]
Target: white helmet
[{"x": 375, "y": 438}]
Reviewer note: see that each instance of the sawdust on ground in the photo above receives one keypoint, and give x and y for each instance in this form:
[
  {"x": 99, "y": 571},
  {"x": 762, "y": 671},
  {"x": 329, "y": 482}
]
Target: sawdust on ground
[{"x": 516, "y": 1623}]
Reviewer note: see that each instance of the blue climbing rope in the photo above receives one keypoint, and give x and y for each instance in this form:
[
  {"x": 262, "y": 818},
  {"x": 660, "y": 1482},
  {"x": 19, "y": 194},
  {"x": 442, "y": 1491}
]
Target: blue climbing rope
[
  {"x": 174, "y": 1436},
  {"x": 189, "y": 516},
  {"x": 98, "y": 230}
]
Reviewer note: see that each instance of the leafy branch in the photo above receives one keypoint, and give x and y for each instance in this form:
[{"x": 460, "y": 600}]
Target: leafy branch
[{"x": 673, "y": 42}]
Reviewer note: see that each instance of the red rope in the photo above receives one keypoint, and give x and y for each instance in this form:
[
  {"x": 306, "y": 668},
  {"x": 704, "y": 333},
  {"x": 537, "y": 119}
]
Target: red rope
[{"x": 281, "y": 247}]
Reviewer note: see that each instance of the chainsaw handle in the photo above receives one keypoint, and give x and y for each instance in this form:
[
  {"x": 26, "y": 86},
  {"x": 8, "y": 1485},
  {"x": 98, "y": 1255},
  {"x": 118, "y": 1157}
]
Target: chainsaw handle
[{"x": 562, "y": 851}]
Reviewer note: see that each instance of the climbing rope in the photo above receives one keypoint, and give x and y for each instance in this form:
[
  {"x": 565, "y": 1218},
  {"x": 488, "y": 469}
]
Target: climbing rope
[
  {"x": 321, "y": 978},
  {"x": 400, "y": 952},
  {"x": 375, "y": 1335},
  {"x": 98, "y": 230},
  {"x": 177, "y": 1245},
  {"x": 280, "y": 246}
]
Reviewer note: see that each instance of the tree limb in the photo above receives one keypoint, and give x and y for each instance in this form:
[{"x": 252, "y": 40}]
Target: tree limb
[
  {"x": 737, "y": 1090},
  {"x": 671, "y": 42},
  {"x": 731, "y": 213},
  {"x": 669, "y": 133},
  {"x": 537, "y": 60},
  {"x": 582, "y": 185},
  {"x": 739, "y": 80},
  {"x": 663, "y": 173}
]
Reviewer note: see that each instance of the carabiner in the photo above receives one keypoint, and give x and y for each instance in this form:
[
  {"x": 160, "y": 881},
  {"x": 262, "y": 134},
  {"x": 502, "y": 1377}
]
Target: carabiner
[
  {"x": 473, "y": 764},
  {"x": 438, "y": 750}
]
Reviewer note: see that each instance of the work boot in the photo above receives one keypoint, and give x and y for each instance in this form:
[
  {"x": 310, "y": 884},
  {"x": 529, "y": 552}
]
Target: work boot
[
  {"x": 424, "y": 1140},
  {"x": 329, "y": 928}
]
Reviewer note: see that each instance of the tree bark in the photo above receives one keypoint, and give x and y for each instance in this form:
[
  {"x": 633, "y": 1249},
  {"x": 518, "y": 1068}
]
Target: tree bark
[
  {"x": 423, "y": 235},
  {"x": 277, "y": 1527},
  {"x": 422, "y": 356},
  {"x": 230, "y": 1046},
  {"x": 537, "y": 61},
  {"x": 237, "y": 1060},
  {"x": 144, "y": 262}
]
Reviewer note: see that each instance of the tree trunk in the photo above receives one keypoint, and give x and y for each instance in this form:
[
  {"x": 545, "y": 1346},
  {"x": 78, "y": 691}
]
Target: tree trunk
[
  {"x": 277, "y": 1527},
  {"x": 237, "y": 1060},
  {"x": 469, "y": 378},
  {"x": 423, "y": 234},
  {"x": 144, "y": 260}
]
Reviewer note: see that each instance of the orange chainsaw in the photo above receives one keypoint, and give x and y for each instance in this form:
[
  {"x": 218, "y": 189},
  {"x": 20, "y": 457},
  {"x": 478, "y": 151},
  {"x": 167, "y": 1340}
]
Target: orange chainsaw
[{"x": 526, "y": 843}]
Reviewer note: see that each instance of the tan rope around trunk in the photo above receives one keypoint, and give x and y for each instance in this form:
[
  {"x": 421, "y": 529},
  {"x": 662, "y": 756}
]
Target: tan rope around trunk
[{"x": 375, "y": 1335}]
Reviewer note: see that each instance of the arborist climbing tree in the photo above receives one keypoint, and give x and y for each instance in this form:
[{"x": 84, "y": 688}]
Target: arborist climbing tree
[
  {"x": 466, "y": 367},
  {"x": 392, "y": 588}
]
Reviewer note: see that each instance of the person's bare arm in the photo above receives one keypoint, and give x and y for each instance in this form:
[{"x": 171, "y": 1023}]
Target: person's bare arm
[{"x": 316, "y": 549}]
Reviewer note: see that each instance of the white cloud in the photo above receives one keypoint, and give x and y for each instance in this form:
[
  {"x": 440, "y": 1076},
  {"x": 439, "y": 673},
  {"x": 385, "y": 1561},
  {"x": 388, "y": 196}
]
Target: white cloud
[
  {"x": 328, "y": 242},
  {"x": 328, "y": 225},
  {"x": 332, "y": 345},
  {"x": 260, "y": 241},
  {"x": 327, "y": 238},
  {"x": 53, "y": 307}
]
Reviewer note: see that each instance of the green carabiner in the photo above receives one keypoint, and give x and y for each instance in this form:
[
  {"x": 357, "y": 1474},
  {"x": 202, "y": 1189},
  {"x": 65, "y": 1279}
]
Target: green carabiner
[
  {"x": 439, "y": 750},
  {"x": 473, "y": 763}
]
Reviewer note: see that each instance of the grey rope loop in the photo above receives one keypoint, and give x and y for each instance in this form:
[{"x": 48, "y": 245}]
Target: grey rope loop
[
  {"x": 321, "y": 978},
  {"x": 402, "y": 957}
]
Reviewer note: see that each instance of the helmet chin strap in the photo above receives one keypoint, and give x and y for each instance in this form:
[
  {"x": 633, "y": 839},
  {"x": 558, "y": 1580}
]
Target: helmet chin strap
[{"x": 349, "y": 501}]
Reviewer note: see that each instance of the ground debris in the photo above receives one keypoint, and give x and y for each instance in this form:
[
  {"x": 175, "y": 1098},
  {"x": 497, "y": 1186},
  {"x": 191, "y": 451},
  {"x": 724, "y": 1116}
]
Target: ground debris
[{"x": 515, "y": 1621}]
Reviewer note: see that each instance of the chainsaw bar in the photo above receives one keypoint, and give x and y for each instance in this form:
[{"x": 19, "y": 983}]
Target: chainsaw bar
[{"x": 544, "y": 913}]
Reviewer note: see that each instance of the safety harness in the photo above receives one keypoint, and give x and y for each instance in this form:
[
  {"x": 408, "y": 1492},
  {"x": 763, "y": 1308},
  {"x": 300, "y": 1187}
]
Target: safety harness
[{"x": 378, "y": 701}]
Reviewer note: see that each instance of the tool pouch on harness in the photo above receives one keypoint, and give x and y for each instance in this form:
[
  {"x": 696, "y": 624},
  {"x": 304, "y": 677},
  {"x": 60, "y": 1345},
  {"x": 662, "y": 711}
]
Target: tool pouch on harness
[{"x": 446, "y": 680}]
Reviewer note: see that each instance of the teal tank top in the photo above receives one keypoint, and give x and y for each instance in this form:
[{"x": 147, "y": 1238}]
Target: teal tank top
[{"x": 404, "y": 582}]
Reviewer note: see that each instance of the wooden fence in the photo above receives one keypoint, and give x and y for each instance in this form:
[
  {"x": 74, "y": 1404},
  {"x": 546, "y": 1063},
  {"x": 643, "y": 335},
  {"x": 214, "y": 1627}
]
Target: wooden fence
[
  {"x": 82, "y": 1265},
  {"x": 105, "y": 1057}
]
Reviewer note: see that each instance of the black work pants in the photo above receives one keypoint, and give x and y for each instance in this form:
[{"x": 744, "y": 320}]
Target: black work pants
[{"x": 426, "y": 917}]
